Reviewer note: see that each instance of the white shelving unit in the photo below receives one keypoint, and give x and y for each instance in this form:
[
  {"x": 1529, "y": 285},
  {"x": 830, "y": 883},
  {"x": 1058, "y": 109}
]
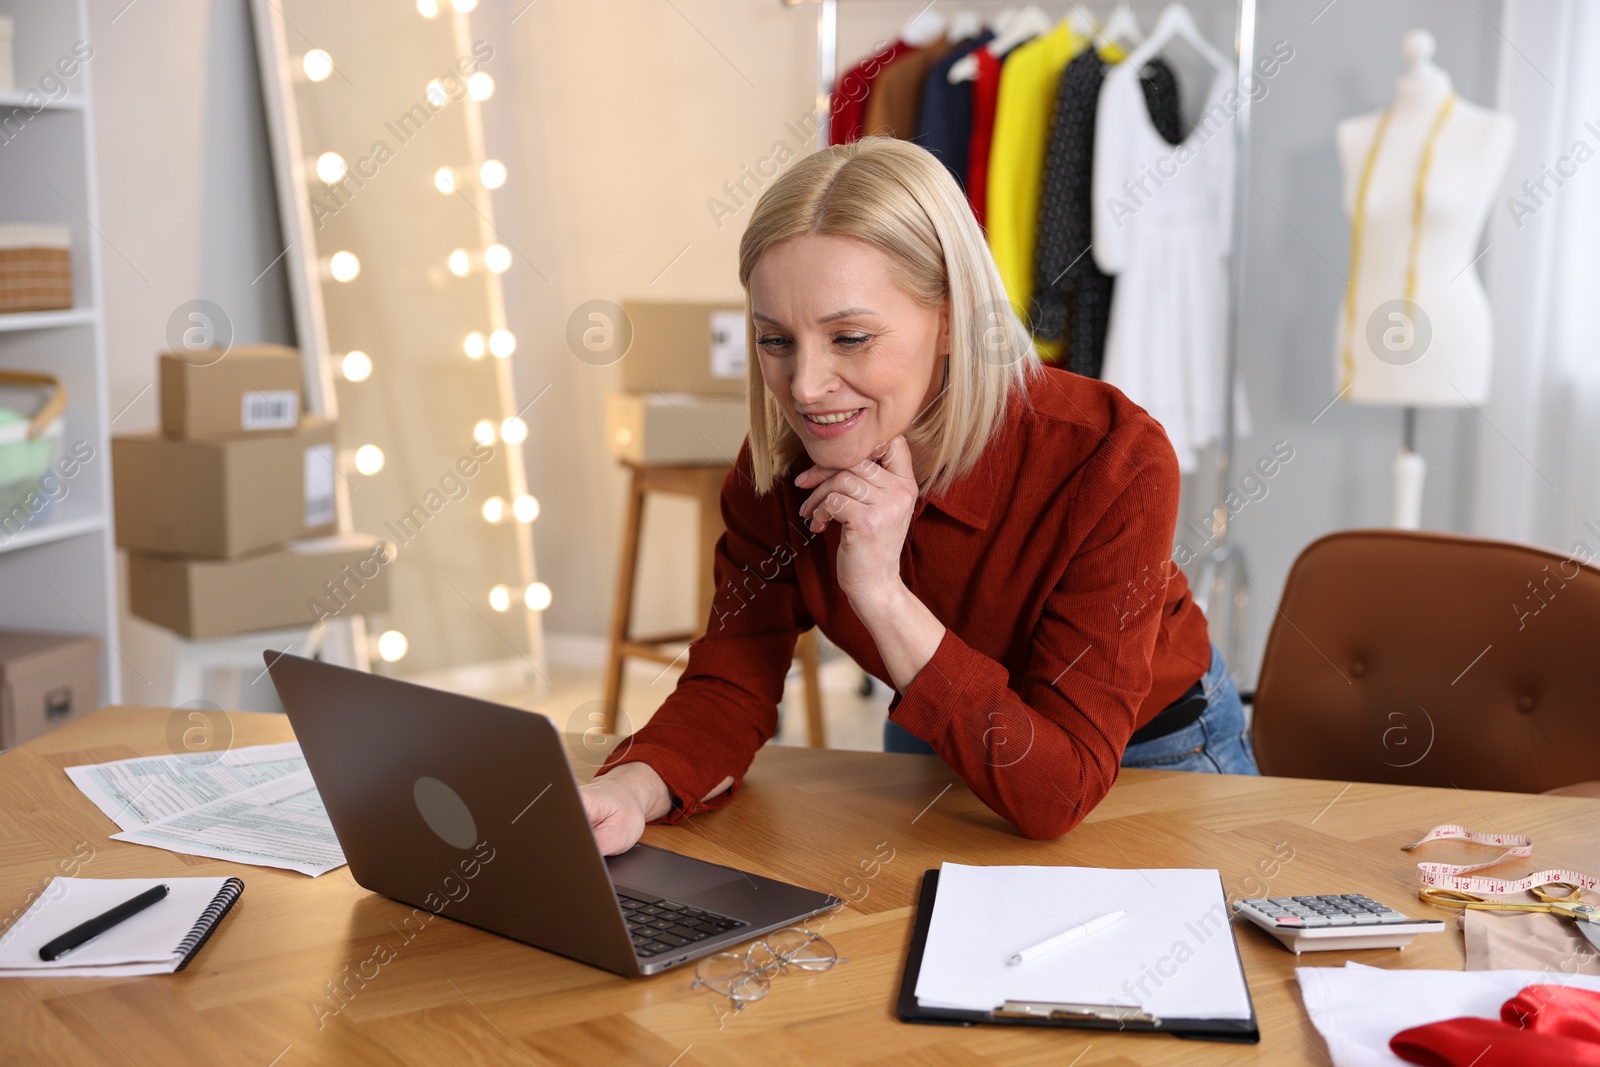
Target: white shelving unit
[{"x": 58, "y": 573}]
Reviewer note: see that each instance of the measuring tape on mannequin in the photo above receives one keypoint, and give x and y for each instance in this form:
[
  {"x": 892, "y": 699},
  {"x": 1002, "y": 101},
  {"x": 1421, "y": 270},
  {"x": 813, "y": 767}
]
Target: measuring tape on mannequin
[{"x": 1460, "y": 876}]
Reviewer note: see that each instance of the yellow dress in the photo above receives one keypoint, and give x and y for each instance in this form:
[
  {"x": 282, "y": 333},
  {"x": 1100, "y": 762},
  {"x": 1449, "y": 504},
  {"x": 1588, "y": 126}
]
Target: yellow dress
[{"x": 1023, "y": 116}]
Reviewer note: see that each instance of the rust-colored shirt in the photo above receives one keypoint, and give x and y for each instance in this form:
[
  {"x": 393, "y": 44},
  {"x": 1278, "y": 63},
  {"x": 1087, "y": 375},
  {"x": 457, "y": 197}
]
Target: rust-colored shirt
[{"x": 1067, "y": 624}]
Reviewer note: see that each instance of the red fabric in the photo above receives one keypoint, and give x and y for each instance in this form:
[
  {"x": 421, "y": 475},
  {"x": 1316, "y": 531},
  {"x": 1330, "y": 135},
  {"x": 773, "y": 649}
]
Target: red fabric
[
  {"x": 849, "y": 102},
  {"x": 1045, "y": 564},
  {"x": 985, "y": 95},
  {"x": 1543, "y": 1024},
  {"x": 1556, "y": 1009}
]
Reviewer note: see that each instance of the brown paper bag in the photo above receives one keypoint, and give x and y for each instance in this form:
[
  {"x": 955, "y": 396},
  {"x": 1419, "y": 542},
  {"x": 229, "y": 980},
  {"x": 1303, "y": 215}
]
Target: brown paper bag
[{"x": 1526, "y": 941}]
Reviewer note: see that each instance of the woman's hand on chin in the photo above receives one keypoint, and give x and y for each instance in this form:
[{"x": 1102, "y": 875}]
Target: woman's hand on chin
[{"x": 872, "y": 502}]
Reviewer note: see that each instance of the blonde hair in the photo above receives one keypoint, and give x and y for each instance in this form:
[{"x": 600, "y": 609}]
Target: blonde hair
[{"x": 901, "y": 199}]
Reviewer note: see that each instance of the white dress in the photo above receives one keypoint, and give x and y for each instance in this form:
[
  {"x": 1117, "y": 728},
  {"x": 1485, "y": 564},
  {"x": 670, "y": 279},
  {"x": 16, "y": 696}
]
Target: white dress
[{"x": 1162, "y": 224}]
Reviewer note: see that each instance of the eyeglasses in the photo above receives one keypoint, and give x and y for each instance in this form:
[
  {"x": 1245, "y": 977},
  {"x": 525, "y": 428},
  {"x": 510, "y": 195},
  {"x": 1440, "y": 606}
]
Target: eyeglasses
[{"x": 746, "y": 976}]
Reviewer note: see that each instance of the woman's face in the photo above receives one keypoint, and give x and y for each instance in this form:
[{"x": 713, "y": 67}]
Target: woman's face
[{"x": 837, "y": 338}]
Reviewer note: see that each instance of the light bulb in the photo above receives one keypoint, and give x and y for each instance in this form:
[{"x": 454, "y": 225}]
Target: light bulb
[
  {"x": 513, "y": 431},
  {"x": 525, "y": 508},
  {"x": 357, "y": 366},
  {"x": 369, "y": 459},
  {"x": 444, "y": 180},
  {"x": 494, "y": 509},
  {"x": 427, "y": 8},
  {"x": 537, "y": 596},
  {"x": 436, "y": 94},
  {"x": 317, "y": 65},
  {"x": 460, "y": 263},
  {"x": 483, "y": 432},
  {"x": 330, "y": 167},
  {"x": 502, "y": 343},
  {"x": 392, "y": 645},
  {"x": 464, "y": 6},
  {"x": 344, "y": 266},
  {"x": 474, "y": 345},
  {"x": 480, "y": 86},
  {"x": 499, "y": 598},
  {"x": 492, "y": 174},
  {"x": 497, "y": 258}
]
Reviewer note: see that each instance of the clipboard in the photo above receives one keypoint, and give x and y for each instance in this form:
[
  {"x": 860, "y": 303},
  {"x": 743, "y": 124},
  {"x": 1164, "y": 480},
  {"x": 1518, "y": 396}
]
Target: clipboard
[{"x": 1078, "y": 1016}]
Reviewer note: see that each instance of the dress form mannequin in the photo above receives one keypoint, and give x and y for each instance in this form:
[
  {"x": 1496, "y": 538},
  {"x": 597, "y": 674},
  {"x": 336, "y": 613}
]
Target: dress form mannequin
[{"x": 1436, "y": 351}]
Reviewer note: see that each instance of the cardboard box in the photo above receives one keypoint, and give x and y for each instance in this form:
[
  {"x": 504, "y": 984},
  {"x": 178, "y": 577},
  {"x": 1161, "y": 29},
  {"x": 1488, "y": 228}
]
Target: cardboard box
[
  {"x": 683, "y": 347},
  {"x": 246, "y": 390},
  {"x": 296, "y": 585},
  {"x": 45, "y": 680},
  {"x": 668, "y": 428},
  {"x": 222, "y": 497}
]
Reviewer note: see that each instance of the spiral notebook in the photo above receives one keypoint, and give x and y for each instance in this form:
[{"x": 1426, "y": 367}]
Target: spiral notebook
[{"x": 161, "y": 939}]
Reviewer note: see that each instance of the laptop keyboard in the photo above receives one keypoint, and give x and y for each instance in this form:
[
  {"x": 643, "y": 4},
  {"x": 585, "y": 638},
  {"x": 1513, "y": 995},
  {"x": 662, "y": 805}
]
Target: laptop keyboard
[{"x": 658, "y": 926}]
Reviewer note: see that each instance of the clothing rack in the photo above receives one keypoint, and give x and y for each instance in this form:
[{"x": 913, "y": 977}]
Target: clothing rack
[{"x": 1222, "y": 582}]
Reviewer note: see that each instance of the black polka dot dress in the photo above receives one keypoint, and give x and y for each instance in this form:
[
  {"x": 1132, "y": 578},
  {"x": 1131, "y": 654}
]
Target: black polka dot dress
[{"x": 1071, "y": 301}]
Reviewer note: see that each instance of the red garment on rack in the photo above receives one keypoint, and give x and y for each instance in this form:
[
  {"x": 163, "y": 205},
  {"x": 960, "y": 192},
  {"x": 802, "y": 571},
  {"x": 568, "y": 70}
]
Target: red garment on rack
[
  {"x": 985, "y": 95},
  {"x": 1064, "y": 631},
  {"x": 848, "y": 103},
  {"x": 1543, "y": 1024}
]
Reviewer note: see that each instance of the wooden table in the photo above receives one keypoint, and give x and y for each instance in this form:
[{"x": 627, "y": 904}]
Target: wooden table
[{"x": 861, "y": 825}]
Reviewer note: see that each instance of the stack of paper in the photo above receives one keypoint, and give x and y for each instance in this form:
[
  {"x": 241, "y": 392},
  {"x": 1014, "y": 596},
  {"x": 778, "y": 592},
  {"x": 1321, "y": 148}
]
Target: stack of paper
[
  {"x": 1172, "y": 955},
  {"x": 250, "y": 805}
]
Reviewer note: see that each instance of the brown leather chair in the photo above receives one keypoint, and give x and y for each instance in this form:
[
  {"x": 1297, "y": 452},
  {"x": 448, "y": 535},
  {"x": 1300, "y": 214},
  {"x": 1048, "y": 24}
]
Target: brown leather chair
[{"x": 1432, "y": 659}]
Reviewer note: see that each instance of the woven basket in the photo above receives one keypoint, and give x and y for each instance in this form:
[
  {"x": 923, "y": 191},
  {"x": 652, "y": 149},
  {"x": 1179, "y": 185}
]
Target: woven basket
[{"x": 35, "y": 268}]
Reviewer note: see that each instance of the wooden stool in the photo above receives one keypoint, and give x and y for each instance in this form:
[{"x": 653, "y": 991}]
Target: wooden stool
[{"x": 704, "y": 484}]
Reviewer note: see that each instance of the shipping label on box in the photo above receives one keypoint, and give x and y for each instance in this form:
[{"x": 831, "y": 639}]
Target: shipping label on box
[
  {"x": 269, "y": 409},
  {"x": 319, "y": 472},
  {"x": 728, "y": 349}
]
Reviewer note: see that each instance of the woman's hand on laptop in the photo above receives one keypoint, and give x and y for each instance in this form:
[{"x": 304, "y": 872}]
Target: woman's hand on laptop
[{"x": 621, "y": 801}]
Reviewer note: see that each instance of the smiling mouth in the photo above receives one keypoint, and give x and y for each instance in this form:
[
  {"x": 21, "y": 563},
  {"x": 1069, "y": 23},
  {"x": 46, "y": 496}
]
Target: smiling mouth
[{"x": 829, "y": 420}]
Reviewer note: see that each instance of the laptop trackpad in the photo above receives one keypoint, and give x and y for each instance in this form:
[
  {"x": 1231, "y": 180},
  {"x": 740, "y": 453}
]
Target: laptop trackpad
[{"x": 668, "y": 874}]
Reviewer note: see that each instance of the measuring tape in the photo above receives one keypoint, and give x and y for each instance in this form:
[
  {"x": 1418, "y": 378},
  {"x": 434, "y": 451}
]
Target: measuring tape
[{"x": 1459, "y": 875}]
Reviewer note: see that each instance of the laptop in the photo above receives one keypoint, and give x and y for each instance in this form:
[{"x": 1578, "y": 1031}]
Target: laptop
[{"x": 469, "y": 809}]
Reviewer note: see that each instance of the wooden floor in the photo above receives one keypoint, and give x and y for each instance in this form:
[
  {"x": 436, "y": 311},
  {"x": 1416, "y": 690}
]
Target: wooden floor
[{"x": 864, "y": 826}]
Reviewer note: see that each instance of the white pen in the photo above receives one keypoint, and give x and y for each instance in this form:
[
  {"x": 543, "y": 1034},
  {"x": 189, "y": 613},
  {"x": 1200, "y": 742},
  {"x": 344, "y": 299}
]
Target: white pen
[{"x": 1065, "y": 937}]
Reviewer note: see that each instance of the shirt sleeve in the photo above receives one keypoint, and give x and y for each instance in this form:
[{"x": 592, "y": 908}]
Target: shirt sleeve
[
  {"x": 1042, "y": 750},
  {"x": 725, "y": 705}
]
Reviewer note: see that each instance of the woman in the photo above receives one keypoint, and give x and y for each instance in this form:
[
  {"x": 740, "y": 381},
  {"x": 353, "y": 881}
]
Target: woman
[{"x": 989, "y": 535}]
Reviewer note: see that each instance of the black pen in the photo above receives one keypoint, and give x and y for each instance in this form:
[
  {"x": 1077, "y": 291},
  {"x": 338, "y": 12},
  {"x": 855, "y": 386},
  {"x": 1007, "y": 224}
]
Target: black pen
[{"x": 88, "y": 931}]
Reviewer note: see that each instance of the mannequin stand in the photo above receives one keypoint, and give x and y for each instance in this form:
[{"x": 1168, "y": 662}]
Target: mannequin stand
[{"x": 1409, "y": 471}]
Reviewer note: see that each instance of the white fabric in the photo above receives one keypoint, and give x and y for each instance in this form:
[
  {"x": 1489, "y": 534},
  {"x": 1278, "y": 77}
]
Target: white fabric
[
  {"x": 1536, "y": 479},
  {"x": 1162, "y": 221},
  {"x": 1358, "y": 1009}
]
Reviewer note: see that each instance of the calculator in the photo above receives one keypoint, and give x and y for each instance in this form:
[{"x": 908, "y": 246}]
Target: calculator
[{"x": 1334, "y": 921}]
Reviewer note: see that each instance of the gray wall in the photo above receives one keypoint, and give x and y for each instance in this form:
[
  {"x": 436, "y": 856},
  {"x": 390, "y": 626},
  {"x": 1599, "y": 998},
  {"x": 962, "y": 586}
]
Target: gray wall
[
  {"x": 1297, "y": 249},
  {"x": 187, "y": 211}
]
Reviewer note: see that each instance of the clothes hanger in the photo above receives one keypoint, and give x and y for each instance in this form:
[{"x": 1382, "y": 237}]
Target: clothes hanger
[
  {"x": 1030, "y": 22},
  {"x": 1081, "y": 23},
  {"x": 965, "y": 25},
  {"x": 1176, "y": 21},
  {"x": 1121, "y": 28},
  {"x": 923, "y": 29}
]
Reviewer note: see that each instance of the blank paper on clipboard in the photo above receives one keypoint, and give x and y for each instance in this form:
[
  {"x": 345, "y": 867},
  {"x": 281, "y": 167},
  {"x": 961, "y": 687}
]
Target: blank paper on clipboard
[{"x": 1173, "y": 954}]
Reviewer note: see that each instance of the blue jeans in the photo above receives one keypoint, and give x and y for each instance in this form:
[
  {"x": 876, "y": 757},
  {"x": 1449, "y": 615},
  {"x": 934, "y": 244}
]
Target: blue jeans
[{"x": 1218, "y": 742}]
